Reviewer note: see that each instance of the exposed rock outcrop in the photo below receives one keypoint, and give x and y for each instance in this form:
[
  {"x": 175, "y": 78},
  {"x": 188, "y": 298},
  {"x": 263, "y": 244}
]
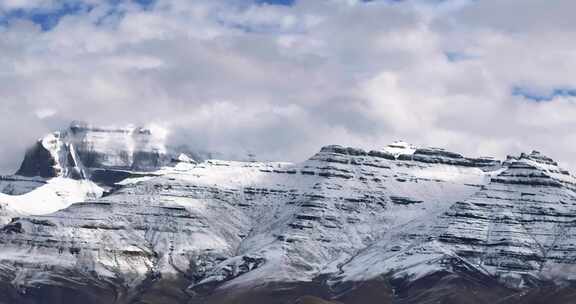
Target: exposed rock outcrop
[{"x": 83, "y": 149}]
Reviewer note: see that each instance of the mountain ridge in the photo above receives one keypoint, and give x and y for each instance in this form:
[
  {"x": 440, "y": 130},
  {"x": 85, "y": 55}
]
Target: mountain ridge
[{"x": 399, "y": 222}]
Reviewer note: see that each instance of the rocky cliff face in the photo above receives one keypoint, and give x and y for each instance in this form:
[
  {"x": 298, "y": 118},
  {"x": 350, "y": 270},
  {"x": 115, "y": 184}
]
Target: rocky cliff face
[
  {"x": 82, "y": 149},
  {"x": 400, "y": 224}
]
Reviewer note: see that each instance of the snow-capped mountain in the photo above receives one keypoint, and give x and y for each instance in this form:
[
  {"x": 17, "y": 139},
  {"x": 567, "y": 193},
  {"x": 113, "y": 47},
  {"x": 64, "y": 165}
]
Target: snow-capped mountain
[
  {"x": 78, "y": 164},
  {"x": 132, "y": 222},
  {"x": 82, "y": 150}
]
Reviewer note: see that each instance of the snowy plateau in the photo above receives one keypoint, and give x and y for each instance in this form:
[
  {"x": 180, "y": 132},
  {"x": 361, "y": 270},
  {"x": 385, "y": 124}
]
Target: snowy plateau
[{"x": 113, "y": 215}]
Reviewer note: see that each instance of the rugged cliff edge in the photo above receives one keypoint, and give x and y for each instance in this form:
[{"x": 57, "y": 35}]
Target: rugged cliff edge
[
  {"x": 395, "y": 225},
  {"x": 82, "y": 149}
]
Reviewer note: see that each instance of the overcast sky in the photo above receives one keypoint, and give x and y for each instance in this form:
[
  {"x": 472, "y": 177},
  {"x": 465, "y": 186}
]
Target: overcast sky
[{"x": 282, "y": 78}]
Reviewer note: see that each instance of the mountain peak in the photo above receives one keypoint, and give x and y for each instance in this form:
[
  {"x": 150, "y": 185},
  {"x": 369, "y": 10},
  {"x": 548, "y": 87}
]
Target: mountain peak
[
  {"x": 535, "y": 160},
  {"x": 535, "y": 156},
  {"x": 82, "y": 146},
  {"x": 400, "y": 147},
  {"x": 538, "y": 157}
]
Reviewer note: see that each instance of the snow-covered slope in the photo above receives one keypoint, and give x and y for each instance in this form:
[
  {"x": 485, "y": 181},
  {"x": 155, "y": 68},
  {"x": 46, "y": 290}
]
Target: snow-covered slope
[
  {"x": 184, "y": 231},
  {"x": 235, "y": 224},
  {"x": 518, "y": 229},
  {"x": 55, "y": 194},
  {"x": 78, "y": 164}
]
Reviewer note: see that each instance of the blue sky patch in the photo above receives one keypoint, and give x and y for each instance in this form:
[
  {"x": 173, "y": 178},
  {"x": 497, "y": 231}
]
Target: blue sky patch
[
  {"x": 276, "y": 2},
  {"x": 145, "y": 3},
  {"x": 543, "y": 96},
  {"x": 457, "y": 56},
  {"x": 49, "y": 18}
]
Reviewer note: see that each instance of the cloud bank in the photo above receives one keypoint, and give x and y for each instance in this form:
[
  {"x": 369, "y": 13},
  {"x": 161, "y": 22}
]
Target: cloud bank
[{"x": 282, "y": 78}]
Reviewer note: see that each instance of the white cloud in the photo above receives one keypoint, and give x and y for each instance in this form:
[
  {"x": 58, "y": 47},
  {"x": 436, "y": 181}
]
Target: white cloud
[{"x": 281, "y": 81}]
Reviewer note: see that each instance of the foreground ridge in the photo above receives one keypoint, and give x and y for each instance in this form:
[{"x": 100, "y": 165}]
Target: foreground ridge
[{"x": 400, "y": 224}]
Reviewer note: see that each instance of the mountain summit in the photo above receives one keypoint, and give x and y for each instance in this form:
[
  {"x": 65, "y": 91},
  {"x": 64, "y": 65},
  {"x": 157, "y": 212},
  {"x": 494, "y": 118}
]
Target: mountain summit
[
  {"x": 400, "y": 224},
  {"x": 82, "y": 149}
]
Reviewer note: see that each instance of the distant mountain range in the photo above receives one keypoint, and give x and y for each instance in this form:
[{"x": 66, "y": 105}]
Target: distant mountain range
[{"x": 113, "y": 215}]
